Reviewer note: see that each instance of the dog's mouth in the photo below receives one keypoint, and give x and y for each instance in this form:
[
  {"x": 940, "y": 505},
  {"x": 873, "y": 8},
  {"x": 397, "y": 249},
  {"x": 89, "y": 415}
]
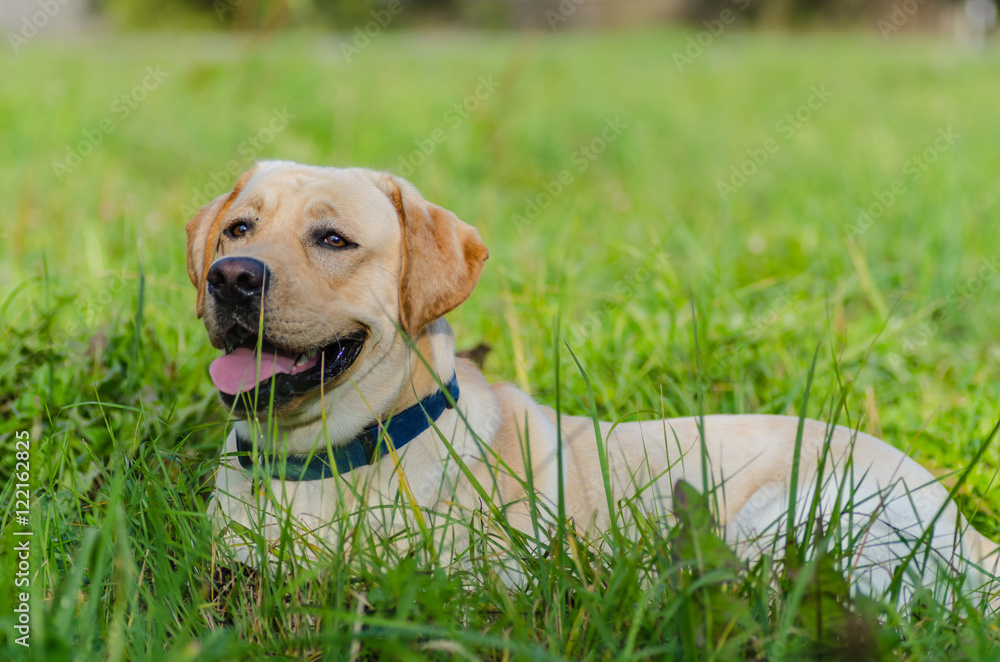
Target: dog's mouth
[{"x": 258, "y": 364}]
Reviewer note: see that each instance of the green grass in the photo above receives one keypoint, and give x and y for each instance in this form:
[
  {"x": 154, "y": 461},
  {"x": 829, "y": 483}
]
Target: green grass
[{"x": 674, "y": 299}]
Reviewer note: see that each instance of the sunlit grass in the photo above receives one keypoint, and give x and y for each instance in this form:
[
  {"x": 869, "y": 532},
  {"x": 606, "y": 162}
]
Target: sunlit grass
[{"x": 675, "y": 301}]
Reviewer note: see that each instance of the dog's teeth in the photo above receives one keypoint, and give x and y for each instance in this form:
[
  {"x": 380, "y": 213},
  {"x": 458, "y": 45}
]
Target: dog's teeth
[
  {"x": 312, "y": 352},
  {"x": 301, "y": 360}
]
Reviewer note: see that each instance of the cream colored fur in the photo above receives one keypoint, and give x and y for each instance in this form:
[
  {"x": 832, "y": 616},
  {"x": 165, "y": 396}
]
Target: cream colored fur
[{"x": 749, "y": 456}]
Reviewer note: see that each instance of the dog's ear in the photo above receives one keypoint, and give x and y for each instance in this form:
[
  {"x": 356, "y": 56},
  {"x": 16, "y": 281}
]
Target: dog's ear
[
  {"x": 203, "y": 233},
  {"x": 442, "y": 256}
]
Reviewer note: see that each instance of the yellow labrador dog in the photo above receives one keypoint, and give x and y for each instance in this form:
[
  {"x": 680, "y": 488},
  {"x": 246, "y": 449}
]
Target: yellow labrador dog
[{"x": 325, "y": 289}]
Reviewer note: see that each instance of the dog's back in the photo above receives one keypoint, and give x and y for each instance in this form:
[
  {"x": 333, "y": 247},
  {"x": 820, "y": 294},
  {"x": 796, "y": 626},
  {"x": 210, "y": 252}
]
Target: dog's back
[{"x": 877, "y": 507}]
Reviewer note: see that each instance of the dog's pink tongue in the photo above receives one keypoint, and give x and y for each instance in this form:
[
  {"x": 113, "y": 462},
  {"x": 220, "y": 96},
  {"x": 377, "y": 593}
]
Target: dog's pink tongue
[{"x": 234, "y": 372}]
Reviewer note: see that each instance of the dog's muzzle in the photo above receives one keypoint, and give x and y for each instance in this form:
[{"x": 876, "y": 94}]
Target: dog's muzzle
[
  {"x": 238, "y": 282},
  {"x": 257, "y": 370}
]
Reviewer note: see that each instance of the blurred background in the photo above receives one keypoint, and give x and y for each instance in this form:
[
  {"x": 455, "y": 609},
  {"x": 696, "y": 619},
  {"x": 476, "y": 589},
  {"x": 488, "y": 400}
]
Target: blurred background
[
  {"x": 966, "y": 19},
  {"x": 702, "y": 200},
  {"x": 701, "y": 192}
]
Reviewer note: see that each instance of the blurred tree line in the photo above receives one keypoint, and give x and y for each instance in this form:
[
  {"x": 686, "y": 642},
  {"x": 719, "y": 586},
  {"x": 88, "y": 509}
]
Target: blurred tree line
[
  {"x": 542, "y": 14},
  {"x": 267, "y": 14}
]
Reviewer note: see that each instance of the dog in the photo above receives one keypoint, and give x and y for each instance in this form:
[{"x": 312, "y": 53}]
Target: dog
[{"x": 326, "y": 290}]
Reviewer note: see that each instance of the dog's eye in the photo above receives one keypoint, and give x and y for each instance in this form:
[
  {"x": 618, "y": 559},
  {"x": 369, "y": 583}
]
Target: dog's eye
[
  {"x": 237, "y": 229},
  {"x": 335, "y": 240}
]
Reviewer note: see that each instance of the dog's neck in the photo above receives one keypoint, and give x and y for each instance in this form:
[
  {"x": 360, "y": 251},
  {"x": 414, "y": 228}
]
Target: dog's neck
[{"x": 396, "y": 380}]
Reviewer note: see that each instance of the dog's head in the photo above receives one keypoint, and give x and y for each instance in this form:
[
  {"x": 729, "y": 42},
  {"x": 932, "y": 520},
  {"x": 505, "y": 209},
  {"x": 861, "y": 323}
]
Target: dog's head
[{"x": 305, "y": 275}]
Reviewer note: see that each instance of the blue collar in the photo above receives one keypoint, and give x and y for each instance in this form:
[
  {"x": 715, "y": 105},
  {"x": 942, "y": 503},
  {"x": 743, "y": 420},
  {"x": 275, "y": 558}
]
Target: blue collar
[{"x": 366, "y": 448}]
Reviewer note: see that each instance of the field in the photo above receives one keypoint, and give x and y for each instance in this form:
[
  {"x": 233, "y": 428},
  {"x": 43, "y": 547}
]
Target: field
[{"x": 695, "y": 227}]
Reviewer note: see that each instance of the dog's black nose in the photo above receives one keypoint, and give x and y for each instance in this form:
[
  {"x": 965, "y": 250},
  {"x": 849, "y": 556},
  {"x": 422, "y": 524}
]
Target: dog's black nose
[{"x": 237, "y": 280}]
